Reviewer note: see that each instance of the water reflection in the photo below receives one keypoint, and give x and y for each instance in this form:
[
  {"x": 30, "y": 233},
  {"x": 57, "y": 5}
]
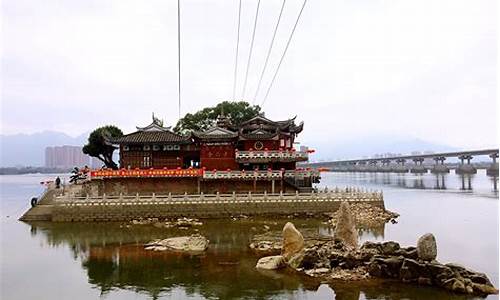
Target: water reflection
[
  {"x": 440, "y": 182},
  {"x": 436, "y": 181},
  {"x": 494, "y": 180},
  {"x": 113, "y": 257},
  {"x": 466, "y": 182}
]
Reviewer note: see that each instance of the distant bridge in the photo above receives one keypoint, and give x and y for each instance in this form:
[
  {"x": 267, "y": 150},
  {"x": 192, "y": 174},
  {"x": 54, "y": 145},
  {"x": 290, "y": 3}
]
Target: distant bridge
[{"x": 397, "y": 164}]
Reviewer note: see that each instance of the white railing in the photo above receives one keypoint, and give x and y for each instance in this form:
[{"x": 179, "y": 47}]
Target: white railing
[
  {"x": 248, "y": 175},
  {"x": 352, "y": 195},
  {"x": 272, "y": 155},
  {"x": 301, "y": 173}
]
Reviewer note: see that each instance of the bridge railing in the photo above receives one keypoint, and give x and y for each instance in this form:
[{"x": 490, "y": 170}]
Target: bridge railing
[{"x": 334, "y": 195}]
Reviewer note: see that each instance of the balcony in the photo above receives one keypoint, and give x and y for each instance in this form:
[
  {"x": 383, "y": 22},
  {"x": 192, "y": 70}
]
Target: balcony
[
  {"x": 270, "y": 156},
  {"x": 244, "y": 175}
]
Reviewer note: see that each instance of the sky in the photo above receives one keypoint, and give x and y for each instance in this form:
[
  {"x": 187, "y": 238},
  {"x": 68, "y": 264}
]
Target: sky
[{"x": 423, "y": 69}]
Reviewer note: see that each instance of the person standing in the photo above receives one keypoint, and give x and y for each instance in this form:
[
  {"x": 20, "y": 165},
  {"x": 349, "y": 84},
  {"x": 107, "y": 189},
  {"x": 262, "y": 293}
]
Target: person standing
[{"x": 58, "y": 182}]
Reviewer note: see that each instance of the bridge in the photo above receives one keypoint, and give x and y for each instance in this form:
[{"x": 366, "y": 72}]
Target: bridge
[{"x": 398, "y": 164}]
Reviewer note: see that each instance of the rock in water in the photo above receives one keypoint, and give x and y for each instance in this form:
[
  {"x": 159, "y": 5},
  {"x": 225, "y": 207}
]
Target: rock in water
[
  {"x": 193, "y": 243},
  {"x": 271, "y": 262},
  {"x": 346, "y": 228},
  {"x": 426, "y": 247},
  {"x": 293, "y": 241}
]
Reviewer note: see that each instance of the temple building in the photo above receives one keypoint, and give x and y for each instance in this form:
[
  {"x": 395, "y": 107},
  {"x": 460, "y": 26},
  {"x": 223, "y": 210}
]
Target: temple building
[{"x": 257, "y": 155}]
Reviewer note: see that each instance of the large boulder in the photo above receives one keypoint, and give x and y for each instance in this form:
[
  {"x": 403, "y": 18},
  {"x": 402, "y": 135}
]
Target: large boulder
[
  {"x": 345, "y": 229},
  {"x": 193, "y": 243},
  {"x": 293, "y": 241},
  {"x": 426, "y": 247},
  {"x": 271, "y": 262}
]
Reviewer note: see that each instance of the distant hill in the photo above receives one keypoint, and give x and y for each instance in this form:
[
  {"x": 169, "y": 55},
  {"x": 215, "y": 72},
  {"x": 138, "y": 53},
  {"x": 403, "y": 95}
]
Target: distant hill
[
  {"x": 369, "y": 146},
  {"x": 29, "y": 149}
]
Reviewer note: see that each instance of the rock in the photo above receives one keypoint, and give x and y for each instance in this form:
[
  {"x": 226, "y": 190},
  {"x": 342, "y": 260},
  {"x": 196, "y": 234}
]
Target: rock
[
  {"x": 389, "y": 248},
  {"x": 309, "y": 259},
  {"x": 293, "y": 241},
  {"x": 424, "y": 281},
  {"x": 426, "y": 247},
  {"x": 296, "y": 260},
  {"x": 385, "y": 267},
  {"x": 318, "y": 271},
  {"x": 439, "y": 273},
  {"x": 345, "y": 229},
  {"x": 193, "y": 243},
  {"x": 411, "y": 270},
  {"x": 271, "y": 262},
  {"x": 456, "y": 285},
  {"x": 484, "y": 289}
]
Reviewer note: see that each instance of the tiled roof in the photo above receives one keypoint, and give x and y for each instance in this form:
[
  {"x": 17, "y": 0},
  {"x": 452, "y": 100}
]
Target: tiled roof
[
  {"x": 140, "y": 137},
  {"x": 215, "y": 133}
]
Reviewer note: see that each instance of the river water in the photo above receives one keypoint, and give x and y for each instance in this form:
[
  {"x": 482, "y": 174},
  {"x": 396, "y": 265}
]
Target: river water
[{"x": 107, "y": 261}]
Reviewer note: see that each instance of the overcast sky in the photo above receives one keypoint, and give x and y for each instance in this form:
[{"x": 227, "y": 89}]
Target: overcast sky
[{"x": 423, "y": 69}]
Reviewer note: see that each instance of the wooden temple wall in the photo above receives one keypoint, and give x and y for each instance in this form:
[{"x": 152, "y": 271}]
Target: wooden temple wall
[{"x": 148, "y": 186}]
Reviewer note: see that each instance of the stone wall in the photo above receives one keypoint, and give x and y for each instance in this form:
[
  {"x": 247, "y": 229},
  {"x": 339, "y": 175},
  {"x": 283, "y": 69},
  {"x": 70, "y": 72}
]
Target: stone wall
[{"x": 128, "y": 208}]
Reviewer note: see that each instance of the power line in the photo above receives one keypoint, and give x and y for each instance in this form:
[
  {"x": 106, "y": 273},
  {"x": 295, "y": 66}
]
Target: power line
[
  {"x": 269, "y": 52},
  {"x": 179, "y": 52},
  {"x": 237, "y": 49},
  {"x": 251, "y": 48},
  {"x": 284, "y": 52}
]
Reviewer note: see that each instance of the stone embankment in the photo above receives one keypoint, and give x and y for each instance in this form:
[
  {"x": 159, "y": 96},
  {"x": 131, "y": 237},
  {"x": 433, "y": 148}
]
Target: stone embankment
[{"x": 341, "y": 259}]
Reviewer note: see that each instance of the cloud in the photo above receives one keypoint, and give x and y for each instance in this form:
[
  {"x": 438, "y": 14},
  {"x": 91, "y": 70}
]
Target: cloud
[{"x": 355, "y": 68}]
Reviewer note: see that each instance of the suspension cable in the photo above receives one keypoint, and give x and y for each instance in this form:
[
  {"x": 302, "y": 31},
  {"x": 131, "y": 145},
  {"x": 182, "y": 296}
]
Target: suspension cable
[
  {"x": 268, "y": 52},
  {"x": 237, "y": 50},
  {"x": 284, "y": 52},
  {"x": 179, "y": 52},
  {"x": 251, "y": 49}
]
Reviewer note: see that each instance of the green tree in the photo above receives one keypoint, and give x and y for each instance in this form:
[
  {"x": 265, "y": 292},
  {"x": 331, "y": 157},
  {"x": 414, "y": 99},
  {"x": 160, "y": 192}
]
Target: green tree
[
  {"x": 98, "y": 147},
  {"x": 237, "y": 112}
]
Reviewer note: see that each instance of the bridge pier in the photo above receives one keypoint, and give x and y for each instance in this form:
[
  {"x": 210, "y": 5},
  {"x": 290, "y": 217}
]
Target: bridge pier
[
  {"x": 439, "y": 167},
  {"x": 465, "y": 168},
  {"x": 372, "y": 167},
  {"x": 386, "y": 166},
  {"x": 418, "y": 168},
  {"x": 351, "y": 167},
  {"x": 400, "y": 167},
  {"x": 362, "y": 166},
  {"x": 493, "y": 168}
]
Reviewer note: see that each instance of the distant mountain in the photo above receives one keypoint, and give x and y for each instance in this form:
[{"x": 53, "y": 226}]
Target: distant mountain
[
  {"x": 29, "y": 149},
  {"x": 369, "y": 146}
]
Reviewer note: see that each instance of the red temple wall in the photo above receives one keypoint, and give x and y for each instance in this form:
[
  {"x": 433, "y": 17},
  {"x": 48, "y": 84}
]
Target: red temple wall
[{"x": 218, "y": 156}]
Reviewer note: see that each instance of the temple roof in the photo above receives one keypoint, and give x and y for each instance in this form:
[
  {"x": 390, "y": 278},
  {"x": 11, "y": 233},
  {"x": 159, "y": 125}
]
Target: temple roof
[
  {"x": 216, "y": 133},
  {"x": 262, "y": 123},
  {"x": 153, "y": 133}
]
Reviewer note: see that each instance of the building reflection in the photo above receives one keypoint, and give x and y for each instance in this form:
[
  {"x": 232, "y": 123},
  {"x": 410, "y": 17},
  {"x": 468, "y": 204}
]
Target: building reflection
[{"x": 113, "y": 257}]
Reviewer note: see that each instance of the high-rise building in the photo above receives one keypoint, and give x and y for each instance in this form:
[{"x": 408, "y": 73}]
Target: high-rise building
[{"x": 65, "y": 157}]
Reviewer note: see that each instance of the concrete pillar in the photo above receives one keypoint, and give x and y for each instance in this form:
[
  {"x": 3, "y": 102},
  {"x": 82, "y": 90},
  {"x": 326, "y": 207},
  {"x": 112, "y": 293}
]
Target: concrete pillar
[
  {"x": 439, "y": 166},
  {"x": 418, "y": 168},
  {"x": 493, "y": 168},
  {"x": 465, "y": 168},
  {"x": 373, "y": 166},
  {"x": 272, "y": 186},
  {"x": 361, "y": 167},
  {"x": 400, "y": 167},
  {"x": 386, "y": 166}
]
